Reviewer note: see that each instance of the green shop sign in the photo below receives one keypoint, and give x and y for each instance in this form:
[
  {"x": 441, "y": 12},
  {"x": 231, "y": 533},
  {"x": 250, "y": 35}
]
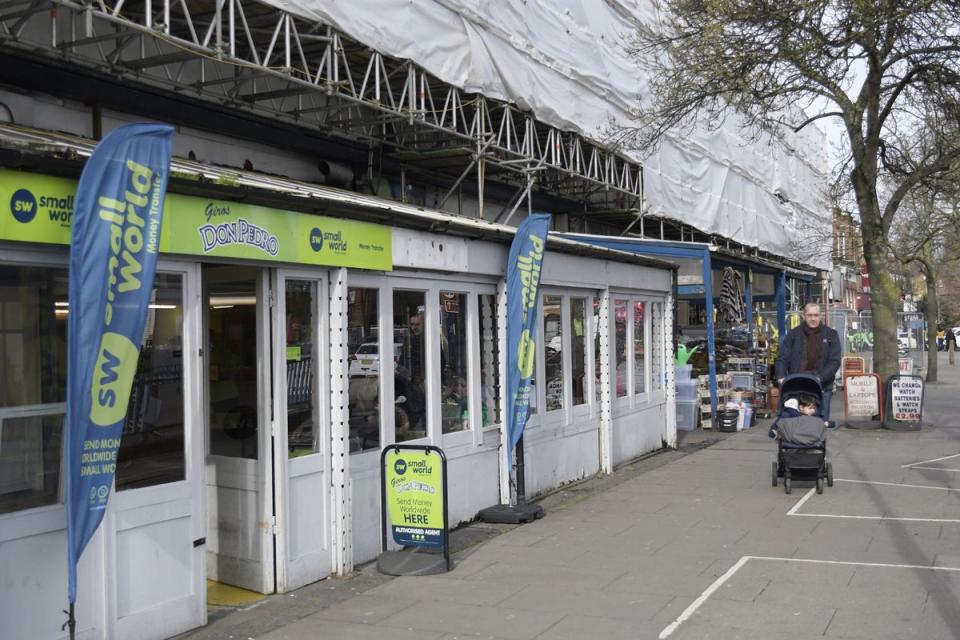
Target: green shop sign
[{"x": 38, "y": 208}]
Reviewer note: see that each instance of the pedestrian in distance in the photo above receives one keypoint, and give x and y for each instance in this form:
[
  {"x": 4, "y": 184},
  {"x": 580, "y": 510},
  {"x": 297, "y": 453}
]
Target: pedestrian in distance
[{"x": 814, "y": 348}]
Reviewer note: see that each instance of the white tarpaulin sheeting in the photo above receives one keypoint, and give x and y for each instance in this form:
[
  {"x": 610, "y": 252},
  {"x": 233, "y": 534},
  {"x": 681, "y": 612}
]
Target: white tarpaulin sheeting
[{"x": 564, "y": 60}]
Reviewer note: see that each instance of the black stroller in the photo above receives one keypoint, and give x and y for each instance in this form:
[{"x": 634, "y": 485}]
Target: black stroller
[{"x": 800, "y": 461}]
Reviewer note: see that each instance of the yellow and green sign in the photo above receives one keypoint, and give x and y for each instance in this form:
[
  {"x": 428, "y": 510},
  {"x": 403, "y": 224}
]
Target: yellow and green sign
[
  {"x": 39, "y": 208},
  {"x": 414, "y": 496}
]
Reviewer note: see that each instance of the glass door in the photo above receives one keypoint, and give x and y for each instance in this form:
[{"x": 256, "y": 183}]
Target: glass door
[
  {"x": 301, "y": 371},
  {"x": 154, "y": 526},
  {"x": 239, "y": 474}
]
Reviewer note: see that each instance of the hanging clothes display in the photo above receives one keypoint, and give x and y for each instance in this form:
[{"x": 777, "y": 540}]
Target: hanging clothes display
[{"x": 731, "y": 296}]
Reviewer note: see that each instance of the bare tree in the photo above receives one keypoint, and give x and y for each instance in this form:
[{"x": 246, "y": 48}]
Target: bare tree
[
  {"x": 922, "y": 237},
  {"x": 875, "y": 67}
]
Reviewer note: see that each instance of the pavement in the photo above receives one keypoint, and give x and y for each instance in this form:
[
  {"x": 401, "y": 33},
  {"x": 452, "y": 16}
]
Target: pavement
[{"x": 689, "y": 544}]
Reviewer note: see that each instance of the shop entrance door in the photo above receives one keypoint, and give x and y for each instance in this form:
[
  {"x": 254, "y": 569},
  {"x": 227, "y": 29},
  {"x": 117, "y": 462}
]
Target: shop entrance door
[
  {"x": 301, "y": 412},
  {"x": 239, "y": 473},
  {"x": 153, "y": 531},
  {"x": 268, "y": 484}
]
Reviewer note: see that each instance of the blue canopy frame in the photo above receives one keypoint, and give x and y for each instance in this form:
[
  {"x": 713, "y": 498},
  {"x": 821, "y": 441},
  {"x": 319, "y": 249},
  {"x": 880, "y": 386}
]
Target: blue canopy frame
[{"x": 704, "y": 294}]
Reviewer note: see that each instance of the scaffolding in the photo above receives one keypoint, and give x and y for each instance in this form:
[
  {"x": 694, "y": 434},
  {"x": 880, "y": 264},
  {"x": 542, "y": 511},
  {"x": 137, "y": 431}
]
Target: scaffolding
[{"x": 251, "y": 57}]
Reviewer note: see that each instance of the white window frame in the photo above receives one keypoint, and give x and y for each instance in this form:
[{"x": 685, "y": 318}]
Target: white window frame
[
  {"x": 431, "y": 285},
  {"x": 569, "y": 413},
  {"x": 49, "y": 518},
  {"x": 633, "y": 400}
]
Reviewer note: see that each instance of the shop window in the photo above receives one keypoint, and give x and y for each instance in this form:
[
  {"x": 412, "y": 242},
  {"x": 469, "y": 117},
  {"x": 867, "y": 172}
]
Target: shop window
[
  {"x": 152, "y": 445},
  {"x": 578, "y": 308},
  {"x": 454, "y": 369},
  {"x": 620, "y": 346},
  {"x": 234, "y": 396},
  {"x": 363, "y": 344},
  {"x": 639, "y": 352},
  {"x": 596, "y": 347},
  {"x": 489, "y": 360},
  {"x": 553, "y": 352},
  {"x": 33, "y": 352},
  {"x": 656, "y": 346},
  {"x": 302, "y": 426},
  {"x": 411, "y": 370}
]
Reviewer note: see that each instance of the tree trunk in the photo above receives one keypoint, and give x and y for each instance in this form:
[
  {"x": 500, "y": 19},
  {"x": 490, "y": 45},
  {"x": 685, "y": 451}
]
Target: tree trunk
[
  {"x": 884, "y": 299},
  {"x": 933, "y": 313},
  {"x": 884, "y": 295}
]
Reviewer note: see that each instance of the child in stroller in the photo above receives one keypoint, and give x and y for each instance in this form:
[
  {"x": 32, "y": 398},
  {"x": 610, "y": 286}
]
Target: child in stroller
[{"x": 801, "y": 434}]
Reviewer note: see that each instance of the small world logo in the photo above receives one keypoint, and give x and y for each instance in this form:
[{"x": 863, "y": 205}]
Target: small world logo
[
  {"x": 316, "y": 239},
  {"x": 23, "y": 206},
  {"x": 400, "y": 467}
]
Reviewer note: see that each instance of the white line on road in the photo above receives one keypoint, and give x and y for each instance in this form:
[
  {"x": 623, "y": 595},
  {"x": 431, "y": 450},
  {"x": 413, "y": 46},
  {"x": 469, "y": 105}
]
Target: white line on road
[
  {"x": 793, "y": 512},
  {"x": 913, "y": 464},
  {"x": 899, "y": 484},
  {"x": 800, "y": 503},
  {"x": 689, "y": 611},
  {"x": 935, "y": 469}
]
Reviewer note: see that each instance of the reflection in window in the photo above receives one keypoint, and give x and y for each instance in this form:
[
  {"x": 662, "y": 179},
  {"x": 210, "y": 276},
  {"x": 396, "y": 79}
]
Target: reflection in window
[
  {"x": 578, "y": 307},
  {"x": 596, "y": 347},
  {"x": 411, "y": 370},
  {"x": 152, "y": 445},
  {"x": 364, "y": 369},
  {"x": 620, "y": 344},
  {"x": 302, "y": 433},
  {"x": 455, "y": 396},
  {"x": 33, "y": 351},
  {"x": 553, "y": 352},
  {"x": 489, "y": 360},
  {"x": 639, "y": 355}
]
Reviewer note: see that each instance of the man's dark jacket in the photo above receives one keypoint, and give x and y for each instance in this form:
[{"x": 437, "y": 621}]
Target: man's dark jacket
[{"x": 793, "y": 353}]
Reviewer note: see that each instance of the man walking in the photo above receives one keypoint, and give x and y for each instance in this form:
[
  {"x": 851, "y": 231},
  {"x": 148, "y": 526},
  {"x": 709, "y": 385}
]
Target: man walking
[{"x": 813, "y": 347}]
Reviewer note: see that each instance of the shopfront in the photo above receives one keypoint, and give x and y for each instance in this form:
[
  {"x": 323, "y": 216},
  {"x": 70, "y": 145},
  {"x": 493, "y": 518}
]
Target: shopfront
[{"x": 282, "y": 351}]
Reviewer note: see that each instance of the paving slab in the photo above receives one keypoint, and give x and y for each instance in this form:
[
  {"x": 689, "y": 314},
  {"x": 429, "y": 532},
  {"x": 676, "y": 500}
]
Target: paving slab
[{"x": 627, "y": 555}]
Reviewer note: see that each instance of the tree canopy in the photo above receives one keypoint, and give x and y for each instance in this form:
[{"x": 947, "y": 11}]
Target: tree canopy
[{"x": 878, "y": 67}]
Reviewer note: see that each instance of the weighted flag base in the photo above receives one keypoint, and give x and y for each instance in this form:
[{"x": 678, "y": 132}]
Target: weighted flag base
[{"x": 511, "y": 514}]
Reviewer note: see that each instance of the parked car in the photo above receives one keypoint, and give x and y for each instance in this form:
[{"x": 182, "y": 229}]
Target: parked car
[
  {"x": 366, "y": 360},
  {"x": 905, "y": 340}
]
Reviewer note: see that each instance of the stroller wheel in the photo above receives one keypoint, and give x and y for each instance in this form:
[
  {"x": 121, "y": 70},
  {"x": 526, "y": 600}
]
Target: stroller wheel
[
  {"x": 775, "y": 474},
  {"x": 829, "y": 474},
  {"x": 786, "y": 485},
  {"x": 819, "y": 485}
]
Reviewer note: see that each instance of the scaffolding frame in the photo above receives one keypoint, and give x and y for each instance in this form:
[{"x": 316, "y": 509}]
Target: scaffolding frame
[{"x": 249, "y": 56}]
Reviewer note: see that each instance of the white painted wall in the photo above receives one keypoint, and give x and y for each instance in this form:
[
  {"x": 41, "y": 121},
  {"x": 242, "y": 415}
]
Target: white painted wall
[{"x": 33, "y": 577}]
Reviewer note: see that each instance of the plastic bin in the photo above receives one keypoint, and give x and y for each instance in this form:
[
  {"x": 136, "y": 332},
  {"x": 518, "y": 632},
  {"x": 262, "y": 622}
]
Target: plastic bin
[
  {"x": 741, "y": 380},
  {"x": 687, "y": 415},
  {"x": 687, "y": 390},
  {"x": 684, "y": 371},
  {"x": 726, "y": 419}
]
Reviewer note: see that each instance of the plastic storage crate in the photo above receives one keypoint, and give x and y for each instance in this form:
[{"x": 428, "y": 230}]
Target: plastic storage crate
[
  {"x": 687, "y": 415},
  {"x": 687, "y": 390}
]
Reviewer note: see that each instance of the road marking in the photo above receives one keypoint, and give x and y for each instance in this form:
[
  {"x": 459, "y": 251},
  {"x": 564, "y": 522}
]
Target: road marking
[
  {"x": 793, "y": 512},
  {"x": 800, "y": 503},
  {"x": 935, "y": 469},
  {"x": 690, "y": 610},
  {"x": 899, "y": 484},
  {"x": 913, "y": 464}
]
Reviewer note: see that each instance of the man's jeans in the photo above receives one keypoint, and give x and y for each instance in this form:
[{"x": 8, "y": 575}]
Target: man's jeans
[{"x": 825, "y": 408}]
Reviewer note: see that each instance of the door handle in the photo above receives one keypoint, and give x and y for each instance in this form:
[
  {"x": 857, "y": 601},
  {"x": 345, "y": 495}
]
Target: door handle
[{"x": 199, "y": 542}]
